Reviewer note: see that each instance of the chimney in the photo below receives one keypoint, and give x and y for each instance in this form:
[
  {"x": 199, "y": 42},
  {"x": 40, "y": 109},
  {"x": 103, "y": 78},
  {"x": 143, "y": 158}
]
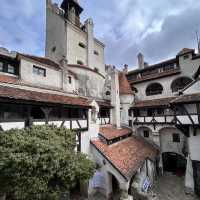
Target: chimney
[
  {"x": 125, "y": 69},
  {"x": 141, "y": 61},
  {"x": 115, "y": 100},
  {"x": 146, "y": 64}
]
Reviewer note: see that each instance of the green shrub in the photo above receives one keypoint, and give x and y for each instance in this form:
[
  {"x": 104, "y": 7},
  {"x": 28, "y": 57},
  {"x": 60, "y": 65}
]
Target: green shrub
[{"x": 40, "y": 163}]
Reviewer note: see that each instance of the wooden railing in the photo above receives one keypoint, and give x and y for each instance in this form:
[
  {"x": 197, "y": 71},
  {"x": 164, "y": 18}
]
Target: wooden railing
[
  {"x": 75, "y": 124},
  {"x": 191, "y": 119},
  {"x": 103, "y": 120}
]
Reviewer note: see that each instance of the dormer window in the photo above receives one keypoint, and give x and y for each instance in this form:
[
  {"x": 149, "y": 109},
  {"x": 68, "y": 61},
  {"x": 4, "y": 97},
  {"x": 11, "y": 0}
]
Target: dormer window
[
  {"x": 186, "y": 57},
  {"x": 1, "y": 66},
  {"x": 11, "y": 69},
  {"x": 8, "y": 68},
  {"x": 39, "y": 71}
]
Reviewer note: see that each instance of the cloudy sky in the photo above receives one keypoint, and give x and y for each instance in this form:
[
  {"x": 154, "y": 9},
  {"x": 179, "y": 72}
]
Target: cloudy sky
[{"x": 157, "y": 28}]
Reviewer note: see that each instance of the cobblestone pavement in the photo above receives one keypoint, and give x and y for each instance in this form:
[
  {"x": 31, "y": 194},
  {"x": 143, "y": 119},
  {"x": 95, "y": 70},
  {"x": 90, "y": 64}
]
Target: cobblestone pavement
[{"x": 171, "y": 187}]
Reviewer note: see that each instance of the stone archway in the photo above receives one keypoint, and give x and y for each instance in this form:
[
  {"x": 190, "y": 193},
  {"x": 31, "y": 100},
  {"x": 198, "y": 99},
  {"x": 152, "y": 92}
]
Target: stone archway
[
  {"x": 173, "y": 162},
  {"x": 172, "y": 145}
]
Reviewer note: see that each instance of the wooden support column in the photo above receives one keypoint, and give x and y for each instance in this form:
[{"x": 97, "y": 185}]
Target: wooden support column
[
  {"x": 28, "y": 121},
  {"x": 187, "y": 113},
  {"x": 46, "y": 112},
  {"x": 198, "y": 111}
]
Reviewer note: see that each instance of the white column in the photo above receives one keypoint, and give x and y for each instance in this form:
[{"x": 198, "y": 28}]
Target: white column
[
  {"x": 189, "y": 180},
  {"x": 90, "y": 45},
  {"x": 115, "y": 100}
]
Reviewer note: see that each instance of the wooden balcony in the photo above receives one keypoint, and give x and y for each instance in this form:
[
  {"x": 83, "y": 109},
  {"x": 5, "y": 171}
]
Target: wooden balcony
[{"x": 191, "y": 119}]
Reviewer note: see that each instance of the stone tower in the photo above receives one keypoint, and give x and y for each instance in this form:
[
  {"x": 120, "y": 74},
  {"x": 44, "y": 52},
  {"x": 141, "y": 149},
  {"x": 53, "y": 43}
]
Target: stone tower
[{"x": 67, "y": 37}]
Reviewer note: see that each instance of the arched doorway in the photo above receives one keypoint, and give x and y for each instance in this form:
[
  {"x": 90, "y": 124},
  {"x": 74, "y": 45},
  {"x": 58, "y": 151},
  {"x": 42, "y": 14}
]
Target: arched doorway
[
  {"x": 115, "y": 185},
  {"x": 173, "y": 162}
]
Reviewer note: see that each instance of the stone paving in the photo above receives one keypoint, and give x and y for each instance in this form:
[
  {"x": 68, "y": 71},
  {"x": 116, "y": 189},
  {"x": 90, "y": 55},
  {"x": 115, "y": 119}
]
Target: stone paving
[{"x": 171, "y": 187}]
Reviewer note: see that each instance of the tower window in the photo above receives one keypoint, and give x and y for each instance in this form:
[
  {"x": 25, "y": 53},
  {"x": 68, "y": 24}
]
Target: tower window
[
  {"x": 82, "y": 45},
  {"x": 79, "y": 62},
  {"x": 96, "y": 53},
  {"x": 107, "y": 93},
  {"x": 176, "y": 137},
  {"x": 96, "y": 69},
  {"x": 70, "y": 79},
  {"x": 39, "y": 71}
]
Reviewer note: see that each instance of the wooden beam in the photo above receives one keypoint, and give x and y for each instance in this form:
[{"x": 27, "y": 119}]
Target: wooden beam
[
  {"x": 185, "y": 110},
  {"x": 198, "y": 111}
]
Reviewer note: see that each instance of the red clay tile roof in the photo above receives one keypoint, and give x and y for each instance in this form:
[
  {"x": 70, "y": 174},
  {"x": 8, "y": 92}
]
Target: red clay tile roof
[
  {"x": 156, "y": 76},
  {"x": 110, "y": 132},
  {"x": 86, "y": 68},
  {"x": 128, "y": 155},
  {"x": 8, "y": 79},
  {"x": 105, "y": 104},
  {"x": 43, "y": 60},
  {"x": 187, "y": 98},
  {"x": 124, "y": 86},
  {"x": 153, "y": 102},
  {"x": 27, "y": 95}
]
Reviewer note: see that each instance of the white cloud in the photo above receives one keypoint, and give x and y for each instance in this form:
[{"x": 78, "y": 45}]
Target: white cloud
[{"x": 126, "y": 27}]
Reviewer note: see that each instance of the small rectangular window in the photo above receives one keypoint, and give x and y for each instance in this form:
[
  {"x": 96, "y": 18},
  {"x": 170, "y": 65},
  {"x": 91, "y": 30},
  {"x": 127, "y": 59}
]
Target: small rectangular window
[
  {"x": 176, "y": 137},
  {"x": 11, "y": 69},
  {"x": 39, "y": 71},
  {"x": 186, "y": 57},
  {"x": 82, "y": 45},
  {"x": 96, "y": 69},
  {"x": 79, "y": 62},
  {"x": 70, "y": 79},
  {"x": 96, "y": 53},
  {"x": 146, "y": 134}
]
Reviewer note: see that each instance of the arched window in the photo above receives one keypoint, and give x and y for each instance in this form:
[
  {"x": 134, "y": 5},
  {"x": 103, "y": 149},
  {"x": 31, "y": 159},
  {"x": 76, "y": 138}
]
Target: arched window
[
  {"x": 107, "y": 93},
  {"x": 154, "y": 89},
  {"x": 180, "y": 83}
]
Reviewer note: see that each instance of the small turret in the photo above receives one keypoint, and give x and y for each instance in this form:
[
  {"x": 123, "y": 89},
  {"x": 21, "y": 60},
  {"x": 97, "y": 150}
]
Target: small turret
[{"x": 72, "y": 11}]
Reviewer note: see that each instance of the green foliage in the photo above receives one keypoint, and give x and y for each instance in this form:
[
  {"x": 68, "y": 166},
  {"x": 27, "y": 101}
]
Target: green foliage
[{"x": 40, "y": 163}]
